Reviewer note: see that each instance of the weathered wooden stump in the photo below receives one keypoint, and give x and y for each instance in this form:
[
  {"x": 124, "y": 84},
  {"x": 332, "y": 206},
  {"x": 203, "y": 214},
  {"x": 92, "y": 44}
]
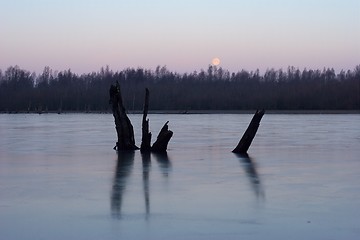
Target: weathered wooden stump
[
  {"x": 124, "y": 128},
  {"x": 250, "y": 133},
  {"x": 163, "y": 139}
]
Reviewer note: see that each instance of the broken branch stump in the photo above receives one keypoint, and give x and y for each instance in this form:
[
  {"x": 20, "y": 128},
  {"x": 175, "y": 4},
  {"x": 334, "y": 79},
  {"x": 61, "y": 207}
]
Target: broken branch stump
[{"x": 163, "y": 139}]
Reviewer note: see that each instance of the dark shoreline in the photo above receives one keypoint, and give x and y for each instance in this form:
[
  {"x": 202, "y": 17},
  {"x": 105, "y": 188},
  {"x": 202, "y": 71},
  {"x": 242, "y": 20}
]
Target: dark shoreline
[{"x": 198, "y": 112}]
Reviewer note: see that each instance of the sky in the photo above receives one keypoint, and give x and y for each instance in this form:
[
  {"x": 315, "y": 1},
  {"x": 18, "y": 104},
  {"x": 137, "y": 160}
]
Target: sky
[{"x": 184, "y": 35}]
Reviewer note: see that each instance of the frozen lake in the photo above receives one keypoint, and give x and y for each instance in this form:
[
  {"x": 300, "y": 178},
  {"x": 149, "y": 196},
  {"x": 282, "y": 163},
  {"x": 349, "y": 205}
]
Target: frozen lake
[{"x": 61, "y": 179}]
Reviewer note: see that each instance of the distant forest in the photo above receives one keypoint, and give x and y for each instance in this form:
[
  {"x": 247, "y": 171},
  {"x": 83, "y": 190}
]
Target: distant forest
[{"x": 211, "y": 89}]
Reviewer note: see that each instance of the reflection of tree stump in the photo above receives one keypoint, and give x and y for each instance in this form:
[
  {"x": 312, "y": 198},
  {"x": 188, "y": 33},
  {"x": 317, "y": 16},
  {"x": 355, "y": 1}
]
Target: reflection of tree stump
[
  {"x": 124, "y": 129},
  {"x": 125, "y": 163},
  {"x": 250, "y": 132},
  {"x": 252, "y": 173}
]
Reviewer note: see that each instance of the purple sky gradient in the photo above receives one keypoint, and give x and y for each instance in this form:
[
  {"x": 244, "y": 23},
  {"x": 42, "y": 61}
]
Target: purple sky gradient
[{"x": 183, "y": 35}]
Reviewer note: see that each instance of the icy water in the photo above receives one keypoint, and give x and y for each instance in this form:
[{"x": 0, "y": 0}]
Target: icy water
[{"x": 61, "y": 179}]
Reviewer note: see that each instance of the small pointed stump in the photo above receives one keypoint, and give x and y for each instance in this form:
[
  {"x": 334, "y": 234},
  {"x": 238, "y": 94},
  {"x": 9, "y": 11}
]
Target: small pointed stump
[
  {"x": 124, "y": 128},
  {"x": 146, "y": 135},
  {"x": 250, "y": 133},
  {"x": 163, "y": 139}
]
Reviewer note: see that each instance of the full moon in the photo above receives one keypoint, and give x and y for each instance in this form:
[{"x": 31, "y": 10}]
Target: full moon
[{"x": 215, "y": 61}]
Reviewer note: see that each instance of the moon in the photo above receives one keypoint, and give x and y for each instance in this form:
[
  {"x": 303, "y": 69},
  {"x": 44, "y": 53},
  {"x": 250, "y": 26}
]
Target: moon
[{"x": 215, "y": 61}]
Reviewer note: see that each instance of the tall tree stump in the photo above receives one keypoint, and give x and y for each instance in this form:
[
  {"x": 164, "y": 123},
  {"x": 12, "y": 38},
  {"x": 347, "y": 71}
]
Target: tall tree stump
[{"x": 124, "y": 128}]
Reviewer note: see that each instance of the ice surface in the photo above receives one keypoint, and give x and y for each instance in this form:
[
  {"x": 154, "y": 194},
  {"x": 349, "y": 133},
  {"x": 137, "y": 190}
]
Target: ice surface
[{"x": 60, "y": 179}]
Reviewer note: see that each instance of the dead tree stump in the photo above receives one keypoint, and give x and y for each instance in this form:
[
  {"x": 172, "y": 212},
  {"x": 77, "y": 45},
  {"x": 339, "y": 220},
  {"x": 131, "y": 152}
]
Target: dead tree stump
[
  {"x": 250, "y": 132},
  {"x": 146, "y": 135},
  {"x": 163, "y": 139},
  {"x": 124, "y": 128}
]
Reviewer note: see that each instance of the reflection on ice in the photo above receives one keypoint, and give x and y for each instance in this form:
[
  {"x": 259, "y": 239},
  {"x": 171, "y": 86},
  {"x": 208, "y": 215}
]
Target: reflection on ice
[
  {"x": 146, "y": 165},
  {"x": 251, "y": 171},
  {"x": 203, "y": 192},
  {"x": 164, "y": 162},
  {"x": 123, "y": 171}
]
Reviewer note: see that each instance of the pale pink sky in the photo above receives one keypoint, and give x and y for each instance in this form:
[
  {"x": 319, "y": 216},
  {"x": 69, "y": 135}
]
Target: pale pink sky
[{"x": 85, "y": 35}]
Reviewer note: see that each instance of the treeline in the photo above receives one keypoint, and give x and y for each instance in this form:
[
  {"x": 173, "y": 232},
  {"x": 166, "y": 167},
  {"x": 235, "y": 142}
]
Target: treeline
[{"x": 211, "y": 89}]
